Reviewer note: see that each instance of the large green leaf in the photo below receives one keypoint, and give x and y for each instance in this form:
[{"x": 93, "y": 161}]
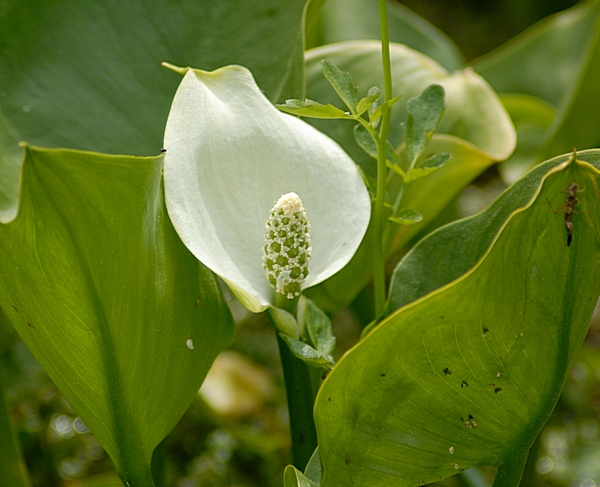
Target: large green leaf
[
  {"x": 345, "y": 20},
  {"x": 469, "y": 374},
  {"x": 98, "y": 285},
  {"x": 475, "y": 129},
  {"x": 87, "y": 75},
  {"x": 558, "y": 61}
]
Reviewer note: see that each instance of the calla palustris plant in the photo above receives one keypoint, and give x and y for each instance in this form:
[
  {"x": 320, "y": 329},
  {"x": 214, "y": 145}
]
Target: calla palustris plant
[{"x": 230, "y": 156}]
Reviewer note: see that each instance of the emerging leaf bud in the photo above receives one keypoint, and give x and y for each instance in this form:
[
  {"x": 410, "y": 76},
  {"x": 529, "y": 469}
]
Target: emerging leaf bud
[{"x": 287, "y": 250}]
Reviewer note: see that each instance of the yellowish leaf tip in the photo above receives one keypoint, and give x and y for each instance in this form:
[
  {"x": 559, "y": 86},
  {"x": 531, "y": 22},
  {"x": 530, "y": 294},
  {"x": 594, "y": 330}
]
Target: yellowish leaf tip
[{"x": 177, "y": 69}]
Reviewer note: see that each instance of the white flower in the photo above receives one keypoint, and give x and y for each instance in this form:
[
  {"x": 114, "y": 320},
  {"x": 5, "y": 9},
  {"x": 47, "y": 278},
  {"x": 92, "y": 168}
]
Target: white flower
[{"x": 230, "y": 155}]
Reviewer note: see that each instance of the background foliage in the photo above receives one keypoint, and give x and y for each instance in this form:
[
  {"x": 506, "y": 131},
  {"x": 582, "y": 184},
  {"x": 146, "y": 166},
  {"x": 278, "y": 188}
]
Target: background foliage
[{"x": 88, "y": 77}]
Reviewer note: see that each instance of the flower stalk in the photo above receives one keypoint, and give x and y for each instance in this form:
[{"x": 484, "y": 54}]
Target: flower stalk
[{"x": 378, "y": 214}]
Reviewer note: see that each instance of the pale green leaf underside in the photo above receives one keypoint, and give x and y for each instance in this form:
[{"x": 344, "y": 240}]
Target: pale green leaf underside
[
  {"x": 100, "y": 288},
  {"x": 493, "y": 348},
  {"x": 558, "y": 61}
]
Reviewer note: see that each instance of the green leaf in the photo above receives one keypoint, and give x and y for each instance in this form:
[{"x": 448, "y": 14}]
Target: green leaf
[
  {"x": 428, "y": 196},
  {"x": 367, "y": 102},
  {"x": 342, "y": 84},
  {"x": 380, "y": 109},
  {"x": 311, "y": 477},
  {"x": 470, "y": 373},
  {"x": 306, "y": 353},
  {"x": 13, "y": 470},
  {"x": 365, "y": 141},
  {"x": 532, "y": 117},
  {"x": 122, "y": 93},
  {"x": 424, "y": 114},
  {"x": 406, "y": 217},
  {"x": 292, "y": 477},
  {"x": 345, "y": 20},
  {"x": 318, "y": 326},
  {"x": 310, "y": 108},
  {"x": 99, "y": 286},
  {"x": 313, "y": 468},
  {"x": 429, "y": 165},
  {"x": 283, "y": 321},
  {"x": 432, "y": 263},
  {"x": 475, "y": 129},
  {"x": 556, "y": 60}
]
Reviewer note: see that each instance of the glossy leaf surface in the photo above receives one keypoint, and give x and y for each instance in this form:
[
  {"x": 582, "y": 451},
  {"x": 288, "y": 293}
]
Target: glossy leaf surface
[
  {"x": 469, "y": 374},
  {"x": 107, "y": 298},
  {"x": 87, "y": 75}
]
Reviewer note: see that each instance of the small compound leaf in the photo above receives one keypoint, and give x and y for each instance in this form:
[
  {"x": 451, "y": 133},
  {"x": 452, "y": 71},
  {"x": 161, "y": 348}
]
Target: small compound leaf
[
  {"x": 368, "y": 101},
  {"x": 365, "y": 141},
  {"x": 318, "y": 326},
  {"x": 424, "y": 114},
  {"x": 306, "y": 353},
  {"x": 428, "y": 166},
  {"x": 382, "y": 108},
  {"x": 342, "y": 84},
  {"x": 407, "y": 217},
  {"x": 310, "y": 108}
]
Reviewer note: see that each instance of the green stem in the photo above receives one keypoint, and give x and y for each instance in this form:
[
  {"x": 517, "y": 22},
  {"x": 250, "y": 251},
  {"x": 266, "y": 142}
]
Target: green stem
[
  {"x": 378, "y": 216},
  {"x": 300, "y": 389}
]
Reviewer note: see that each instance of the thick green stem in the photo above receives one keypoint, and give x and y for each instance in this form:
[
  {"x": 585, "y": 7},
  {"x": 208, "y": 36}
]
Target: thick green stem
[
  {"x": 301, "y": 382},
  {"x": 378, "y": 215},
  {"x": 299, "y": 390}
]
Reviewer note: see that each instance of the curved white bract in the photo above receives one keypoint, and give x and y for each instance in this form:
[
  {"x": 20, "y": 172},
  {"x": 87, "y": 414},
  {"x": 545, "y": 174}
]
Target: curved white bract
[{"x": 230, "y": 156}]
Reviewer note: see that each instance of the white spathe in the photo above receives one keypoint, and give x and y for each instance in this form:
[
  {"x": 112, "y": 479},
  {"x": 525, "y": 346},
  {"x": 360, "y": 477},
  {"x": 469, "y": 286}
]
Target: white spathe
[{"x": 230, "y": 156}]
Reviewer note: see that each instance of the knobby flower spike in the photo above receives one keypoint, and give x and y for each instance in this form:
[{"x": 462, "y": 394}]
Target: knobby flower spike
[
  {"x": 287, "y": 250},
  {"x": 230, "y": 155}
]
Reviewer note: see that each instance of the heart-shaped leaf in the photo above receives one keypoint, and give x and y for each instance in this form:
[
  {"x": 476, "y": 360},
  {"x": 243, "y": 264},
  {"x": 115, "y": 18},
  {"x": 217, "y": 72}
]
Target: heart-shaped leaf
[
  {"x": 98, "y": 285},
  {"x": 470, "y": 373},
  {"x": 87, "y": 75}
]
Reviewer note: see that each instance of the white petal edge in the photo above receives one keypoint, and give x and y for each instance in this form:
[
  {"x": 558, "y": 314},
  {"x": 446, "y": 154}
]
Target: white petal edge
[{"x": 230, "y": 156}]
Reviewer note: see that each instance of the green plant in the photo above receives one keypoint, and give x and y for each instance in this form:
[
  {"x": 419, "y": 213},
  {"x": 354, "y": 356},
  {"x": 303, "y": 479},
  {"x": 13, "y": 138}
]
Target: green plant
[{"x": 112, "y": 267}]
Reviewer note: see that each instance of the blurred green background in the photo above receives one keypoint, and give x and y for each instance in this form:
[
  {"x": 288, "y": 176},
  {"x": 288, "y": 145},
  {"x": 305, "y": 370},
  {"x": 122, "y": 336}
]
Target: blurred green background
[{"x": 235, "y": 433}]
